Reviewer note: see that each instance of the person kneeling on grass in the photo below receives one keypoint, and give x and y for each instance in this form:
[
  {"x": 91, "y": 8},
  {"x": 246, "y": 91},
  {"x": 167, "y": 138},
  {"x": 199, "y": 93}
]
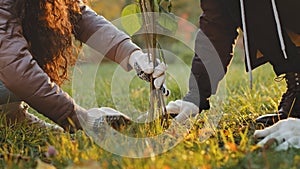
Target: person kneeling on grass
[
  {"x": 216, "y": 38},
  {"x": 271, "y": 28},
  {"x": 37, "y": 49}
]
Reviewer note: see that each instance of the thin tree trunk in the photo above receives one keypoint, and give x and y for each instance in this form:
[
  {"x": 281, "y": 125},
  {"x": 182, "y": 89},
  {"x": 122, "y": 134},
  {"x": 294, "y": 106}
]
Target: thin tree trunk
[{"x": 157, "y": 104}]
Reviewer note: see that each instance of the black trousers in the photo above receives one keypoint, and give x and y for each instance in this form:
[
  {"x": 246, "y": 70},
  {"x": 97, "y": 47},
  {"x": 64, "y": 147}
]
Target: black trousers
[{"x": 218, "y": 31}]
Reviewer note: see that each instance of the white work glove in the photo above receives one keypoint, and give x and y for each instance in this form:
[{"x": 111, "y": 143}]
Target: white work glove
[
  {"x": 98, "y": 117},
  {"x": 180, "y": 110},
  {"x": 144, "y": 69},
  {"x": 184, "y": 110},
  {"x": 285, "y": 132}
]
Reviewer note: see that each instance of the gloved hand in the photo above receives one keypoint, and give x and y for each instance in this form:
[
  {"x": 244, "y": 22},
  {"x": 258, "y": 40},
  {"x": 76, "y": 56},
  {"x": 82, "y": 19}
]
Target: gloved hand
[
  {"x": 140, "y": 62},
  {"x": 179, "y": 110},
  {"x": 97, "y": 122},
  {"x": 285, "y": 132},
  {"x": 183, "y": 109},
  {"x": 97, "y": 117}
]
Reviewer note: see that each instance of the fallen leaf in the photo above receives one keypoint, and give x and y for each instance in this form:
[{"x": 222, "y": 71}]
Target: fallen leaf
[{"x": 231, "y": 146}]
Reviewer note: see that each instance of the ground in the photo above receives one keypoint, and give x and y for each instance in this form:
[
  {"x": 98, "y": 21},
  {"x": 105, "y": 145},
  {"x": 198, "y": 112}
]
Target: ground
[{"x": 230, "y": 146}]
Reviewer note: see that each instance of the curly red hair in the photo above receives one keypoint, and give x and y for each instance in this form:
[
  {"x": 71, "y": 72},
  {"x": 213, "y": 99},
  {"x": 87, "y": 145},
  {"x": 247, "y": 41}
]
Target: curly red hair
[{"x": 49, "y": 27}]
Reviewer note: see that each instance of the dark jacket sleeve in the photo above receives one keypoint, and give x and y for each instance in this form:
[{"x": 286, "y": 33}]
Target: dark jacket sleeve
[{"x": 213, "y": 46}]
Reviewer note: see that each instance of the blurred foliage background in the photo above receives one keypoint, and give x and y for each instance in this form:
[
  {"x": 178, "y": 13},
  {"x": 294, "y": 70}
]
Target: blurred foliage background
[
  {"x": 112, "y": 9},
  {"x": 186, "y": 9}
]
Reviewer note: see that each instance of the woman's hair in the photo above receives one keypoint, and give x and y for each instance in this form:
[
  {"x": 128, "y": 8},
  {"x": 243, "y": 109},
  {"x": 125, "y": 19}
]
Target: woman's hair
[{"x": 49, "y": 26}]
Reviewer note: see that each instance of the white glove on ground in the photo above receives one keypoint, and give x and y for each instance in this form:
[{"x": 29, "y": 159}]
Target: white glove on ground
[
  {"x": 285, "y": 132},
  {"x": 184, "y": 109},
  {"x": 140, "y": 62}
]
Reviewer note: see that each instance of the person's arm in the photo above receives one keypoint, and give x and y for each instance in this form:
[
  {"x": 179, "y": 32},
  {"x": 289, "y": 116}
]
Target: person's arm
[
  {"x": 213, "y": 53},
  {"x": 100, "y": 34},
  {"x": 214, "y": 44},
  {"x": 21, "y": 74}
]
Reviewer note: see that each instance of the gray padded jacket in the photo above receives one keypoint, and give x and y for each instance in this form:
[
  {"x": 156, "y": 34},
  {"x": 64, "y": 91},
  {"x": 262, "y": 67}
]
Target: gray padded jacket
[{"x": 21, "y": 74}]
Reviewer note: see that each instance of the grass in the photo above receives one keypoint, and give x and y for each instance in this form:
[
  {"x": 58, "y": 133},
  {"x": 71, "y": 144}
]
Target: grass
[{"x": 230, "y": 146}]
